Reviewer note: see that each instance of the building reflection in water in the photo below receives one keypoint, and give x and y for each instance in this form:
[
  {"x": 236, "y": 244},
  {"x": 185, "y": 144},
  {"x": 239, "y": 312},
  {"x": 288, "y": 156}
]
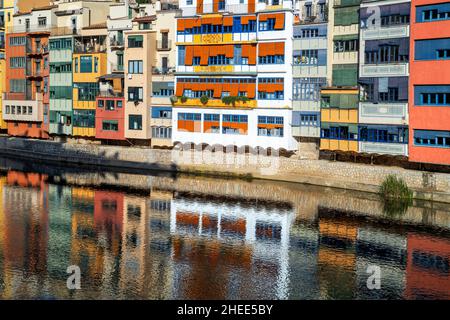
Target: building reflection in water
[{"x": 161, "y": 244}]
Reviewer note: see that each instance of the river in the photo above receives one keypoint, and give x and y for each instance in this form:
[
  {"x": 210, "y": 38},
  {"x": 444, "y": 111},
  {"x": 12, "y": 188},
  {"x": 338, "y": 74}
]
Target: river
[{"x": 163, "y": 236}]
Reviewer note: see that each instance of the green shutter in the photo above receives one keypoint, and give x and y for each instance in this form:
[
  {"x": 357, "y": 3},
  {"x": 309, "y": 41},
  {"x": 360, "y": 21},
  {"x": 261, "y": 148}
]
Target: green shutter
[{"x": 345, "y": 75}]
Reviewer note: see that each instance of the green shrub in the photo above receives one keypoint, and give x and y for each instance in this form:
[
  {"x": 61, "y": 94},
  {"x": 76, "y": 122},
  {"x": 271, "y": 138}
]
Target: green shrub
[
  {"x": 396, "y": 195},
  {"x": 173, "y": 99},
  {"x": 183, "y": 99},
  {"x": 204, "y": 99}
]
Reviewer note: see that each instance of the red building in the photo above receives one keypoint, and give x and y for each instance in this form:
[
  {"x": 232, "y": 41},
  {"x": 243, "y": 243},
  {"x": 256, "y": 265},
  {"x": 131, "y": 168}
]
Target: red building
[
  {"x": 26, "y": 102},
  {"x": 429, "y": 93},
  {"x": 427, "y": 273},
  {"x": 110, "y": 115}
]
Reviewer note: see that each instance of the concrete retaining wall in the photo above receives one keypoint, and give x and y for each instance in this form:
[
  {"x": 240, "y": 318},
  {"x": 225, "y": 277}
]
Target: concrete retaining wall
[{"x": 428, "y": 186}]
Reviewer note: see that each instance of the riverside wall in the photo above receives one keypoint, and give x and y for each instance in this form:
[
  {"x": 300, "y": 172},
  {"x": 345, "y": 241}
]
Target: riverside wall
[{"x": 350, "y": 176}]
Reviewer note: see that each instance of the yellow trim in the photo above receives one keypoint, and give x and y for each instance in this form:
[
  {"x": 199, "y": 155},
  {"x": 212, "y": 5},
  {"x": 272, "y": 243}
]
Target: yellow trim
[
  {"x": 216, "y": 103},
  {"x": 226, "y": 68},
  {"x": 84, "y": 132},
  {"x": 212, "y": 38},
  {"x": 341, "y": 145},
  {"x": 339, "y": 115},
  {"x": 91, "y": 76},
  {"x": 206, "y": 44},
  {"x": 339, "y": 91}
]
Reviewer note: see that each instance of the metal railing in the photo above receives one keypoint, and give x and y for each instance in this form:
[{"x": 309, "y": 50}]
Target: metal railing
[
  {"x": 88, "y": 48},
  {"x": 117, "y": 42},
  {"x": 31, "y": 28},
  {"x": 110, "y": 94},
  {"x": 163, "y": 44},
  {"x": 163, "y": 71}
]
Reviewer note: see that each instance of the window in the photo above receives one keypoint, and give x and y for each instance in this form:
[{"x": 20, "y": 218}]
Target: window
[
  {"x": 17, "y": 85},
  {"x": 196, "y": 61},
  {"x": 162, "y": 132},
  {"x": 277, "y": 95},
  {"x": 85, "y": 64},
  {"x": 306, "y": 57},
  {"x": 101, "y": 103},
  {"x": 276, "y": 59},
  {"x": 345, "y": 45},
  {"x": 309, "y": 120},
  {"x": 189, "y": 2},
  {"x": 339, "y": 133},
  {"x": 433, "y": 12},
  {"x": 17, "y": 41},
  {"x": 110, "y": 125},
  {"x": 84, "y": 118},
  {"x": 270, "y": 126},
  {"x": 235, "y": 118},
  {"x": 17, "y": 62},
  {"x": 95, "y": 64},
  {"x": 181, "y": 55},
  {"x": 433, "y": 49},
  {"x": 212, "y": 117},
  {"x": 307, "y": 89},
  {"x": 135, "y": 67},
  {"x": 390, "y": 96},
  {"x": 135, "y": 122},
  {"x": 222, "y": 5},
  {"x": 432, "y": 138},
  {"x": 388, "y": 134},
  {"x": 135, "y": 94},
  {"x": 443, "y": 54},
  {"x": 267, "y": 25},
  {"x": 76, "y": 65},
  {"x": 219, "y": 60},
  {"x": 136, "y": 41},
  {"x": 42, "y": 21},
  {"x": 87, "y": 91},
  {"x": 307, "y": 33}
]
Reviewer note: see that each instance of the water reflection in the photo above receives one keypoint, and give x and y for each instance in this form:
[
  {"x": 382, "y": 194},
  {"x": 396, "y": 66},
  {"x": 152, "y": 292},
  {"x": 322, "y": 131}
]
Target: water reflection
[{"x": 227, "y": 243}]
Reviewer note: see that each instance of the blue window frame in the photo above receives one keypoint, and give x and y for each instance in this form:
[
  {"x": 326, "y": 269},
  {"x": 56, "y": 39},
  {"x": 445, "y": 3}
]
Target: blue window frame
[
  {"x": 434, "y": 12},
  {"x": 338, "y": 133},
  {"x": 309, "y": 120},
  {"x": 268, "y": 25},
  {"x": 432, "y": 49},
  {"x": 429, "y": 138},
  {"x": 437, "y": 95},
  {"x": 237, "y": 118},
  {"x": 386, "y": 134},
  {"x": 211, "y": 117},
  {"x": 277, "y": 95},
  {"x": 222, "y": 5},
  {"x": 190, "y": 116},
  {"x": 277, "y": 59},
  {"x": 270, "y": 120}
]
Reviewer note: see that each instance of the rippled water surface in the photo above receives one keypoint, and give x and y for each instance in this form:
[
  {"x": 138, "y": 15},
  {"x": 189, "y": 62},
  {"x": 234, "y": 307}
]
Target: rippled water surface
[{"x": 162, "y": 237}]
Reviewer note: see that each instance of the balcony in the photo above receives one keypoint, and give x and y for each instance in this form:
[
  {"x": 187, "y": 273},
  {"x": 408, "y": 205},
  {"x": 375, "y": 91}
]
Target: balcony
[
  {"x": 215, "y": 103},
  {"x": 163, "y": 70},
  {"x": 385, "y": 70},
  {"x": 401, "y": 31},
  {"x": 384, "y": 148},
  {"x": 117, "y": 68},
  {"x": 164, "y": 45},
  {"x": 33, "y": 72},
  {"x": 14, "y": 109},
  {"x": 117, "y": 44},
  {"x": 37, "y": 28},
  {"x": 312, "y": 132},
  {"x": 36, "y": 50},
  {"x": 110, "y": 94},
  {"x": 383, "y": 113}
]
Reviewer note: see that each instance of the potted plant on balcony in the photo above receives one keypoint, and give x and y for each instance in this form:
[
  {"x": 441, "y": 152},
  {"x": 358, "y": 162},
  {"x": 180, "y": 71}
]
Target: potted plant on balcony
[
  {"x": 204, "y": 99},
  {"x": 173, "y": 99},
  {"x": 183, "y": 99}
]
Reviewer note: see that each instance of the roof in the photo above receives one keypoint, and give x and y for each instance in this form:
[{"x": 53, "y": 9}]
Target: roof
[
  {"x": 145, "y": 19},
  {"x": 101, "y": 25},
  {"x": 35, "y": 9}
]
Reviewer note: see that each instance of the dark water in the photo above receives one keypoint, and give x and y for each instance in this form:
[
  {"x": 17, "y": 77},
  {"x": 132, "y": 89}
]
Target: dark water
[{"x": 150, "y": 237}]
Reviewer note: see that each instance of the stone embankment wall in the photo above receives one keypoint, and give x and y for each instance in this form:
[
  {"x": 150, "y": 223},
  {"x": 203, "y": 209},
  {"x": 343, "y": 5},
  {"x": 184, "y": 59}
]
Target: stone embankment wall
[{"x": 361, "y": 177}]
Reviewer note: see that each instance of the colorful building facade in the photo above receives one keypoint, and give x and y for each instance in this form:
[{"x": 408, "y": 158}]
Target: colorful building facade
[
  {"x": 339, "y": 101},
  {"x": 429, "y": 85},
  {"x": 310, "y": 70},
  {"x": 234, "y": 75},
  {"x": 383, "y": 77}
]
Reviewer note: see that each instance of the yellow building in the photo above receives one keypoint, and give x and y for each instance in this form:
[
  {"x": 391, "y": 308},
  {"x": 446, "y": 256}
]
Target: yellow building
[
  {"x": 89, "y": 63},
  {"x": 339, "y": 119}
]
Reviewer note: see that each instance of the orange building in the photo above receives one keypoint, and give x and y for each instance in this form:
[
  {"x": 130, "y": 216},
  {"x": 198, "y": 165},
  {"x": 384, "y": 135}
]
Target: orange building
[
  {"x": 429, "y": 85},
  {"x": 26, "y": 101}
]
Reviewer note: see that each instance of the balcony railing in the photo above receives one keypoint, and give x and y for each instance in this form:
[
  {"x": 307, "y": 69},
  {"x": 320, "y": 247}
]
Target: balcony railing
[
  {"x": 88, "y": 48},
  {"x": 164, "y": 44},
  {"x": 110, "y": 94},
  {"x": 117, "y": 68},
  {"x": 36, "y": 50},
  {"x": 117, "y": 42},
  {"x": 31, "y": 28},
  {"x": 163, "y": 71}
]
